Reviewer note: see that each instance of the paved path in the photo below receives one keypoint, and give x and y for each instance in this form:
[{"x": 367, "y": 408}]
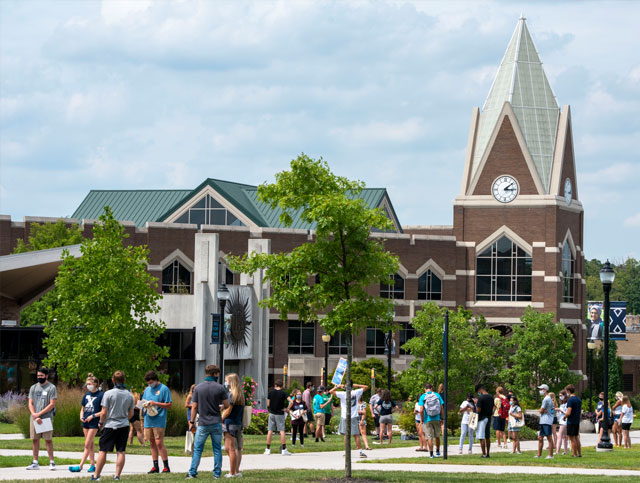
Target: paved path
[{"x": 331, "y": 460}]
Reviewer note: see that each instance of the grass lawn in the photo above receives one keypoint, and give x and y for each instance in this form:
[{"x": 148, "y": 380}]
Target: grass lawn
[
  {"x": 635, "y": 426},
  {"x": 8, "y": 428},
  {"x": 297, "y": 476},
  {"x": 11, "y": 461},
  {"x": 253, "y": 444},
  {"x": 627, "y": 459}
]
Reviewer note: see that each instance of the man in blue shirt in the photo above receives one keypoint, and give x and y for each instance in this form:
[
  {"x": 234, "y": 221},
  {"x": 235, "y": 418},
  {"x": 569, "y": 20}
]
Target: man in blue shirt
[
  {"x": 546, "y": 421},
  {"x": 156, "y": 401},
  {"x": 431, "y": 405},
  {"x": 573, "y": 414}
]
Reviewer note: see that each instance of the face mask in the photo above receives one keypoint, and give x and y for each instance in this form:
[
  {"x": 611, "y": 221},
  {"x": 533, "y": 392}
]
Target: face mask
[
  {"x": 541, "y": 393},
  {"x": 601, "y": 399},
  {"x": 153, "y": 384},
  {"x": 561, "y": 398},
  {"x": 313, "y": 388},
  {"x": 512, "y": 403},
  {"x": 226, "y": 385},
  {"x": 90, "y": 388},
  {"x": 298, "y": 396},
  {"x": 42, "y": 380}
]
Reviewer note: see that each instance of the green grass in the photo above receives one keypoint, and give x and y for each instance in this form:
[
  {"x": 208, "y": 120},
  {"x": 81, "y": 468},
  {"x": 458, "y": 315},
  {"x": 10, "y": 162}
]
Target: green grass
[
  {"x": 12, "y": 461},
  {"x": 635, "y": 426},
  {"x": 298, "y": 476},
  {"x": 627, "y": 459},
  {"x": 9, "y": 428}
]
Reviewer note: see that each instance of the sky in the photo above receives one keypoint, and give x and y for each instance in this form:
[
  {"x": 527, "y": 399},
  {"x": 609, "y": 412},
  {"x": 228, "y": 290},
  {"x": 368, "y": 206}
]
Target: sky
[{"x": 161, "y": 95}]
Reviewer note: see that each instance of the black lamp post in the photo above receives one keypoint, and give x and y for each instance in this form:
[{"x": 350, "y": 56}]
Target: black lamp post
[
  {"x": 326, "y": 338},
  {"x": 590, "y": 347},
  {"x": 223, "y": 296},
  {"x": 607, "y": 275}
]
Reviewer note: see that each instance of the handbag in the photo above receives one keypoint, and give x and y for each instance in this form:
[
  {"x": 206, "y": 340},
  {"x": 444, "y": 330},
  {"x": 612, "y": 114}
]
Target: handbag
[
  {"x": 516, "y": 422},
  {"x": 188, "y": 442},
  {"x": 305, "y": 418},
  {"x": 246, "y": 416},
  {"x": 473, "y": 421}
]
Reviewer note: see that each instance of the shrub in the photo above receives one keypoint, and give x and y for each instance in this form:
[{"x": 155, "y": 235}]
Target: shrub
[
  {"x": 8, "y": 401},
  {"x": 259, "y": 420},
  {"x": 177, "y": 424},
  {"x": 635, "y": 402},
  {"x": 532, "y": 421},
  {"x": 406, "y": 421},
  {"x": 21, "y": 417}
]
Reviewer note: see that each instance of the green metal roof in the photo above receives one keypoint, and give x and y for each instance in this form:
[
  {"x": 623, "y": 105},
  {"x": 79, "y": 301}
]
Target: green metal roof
[{"x": 522, "y": 82}]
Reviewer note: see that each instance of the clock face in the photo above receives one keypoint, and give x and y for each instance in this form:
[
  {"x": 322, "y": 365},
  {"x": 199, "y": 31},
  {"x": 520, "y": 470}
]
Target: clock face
[
  {"x": 568, "y": 191},
  {"x": 505, "y": 189}
]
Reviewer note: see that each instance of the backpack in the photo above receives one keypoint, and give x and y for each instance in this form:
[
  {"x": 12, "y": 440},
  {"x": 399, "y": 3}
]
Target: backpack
[
  {"x": 503, "y": 410},
  {"x": 432, "y": 404}
]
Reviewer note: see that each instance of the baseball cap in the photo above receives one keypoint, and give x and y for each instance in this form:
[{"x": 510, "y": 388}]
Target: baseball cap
[
  {"x": 321, "y": 388},
  {"x": 544, "y": 386}
]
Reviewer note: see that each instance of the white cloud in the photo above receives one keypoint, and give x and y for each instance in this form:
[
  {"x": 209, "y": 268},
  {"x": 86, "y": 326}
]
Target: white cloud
[{"x": 633, "y": 221}]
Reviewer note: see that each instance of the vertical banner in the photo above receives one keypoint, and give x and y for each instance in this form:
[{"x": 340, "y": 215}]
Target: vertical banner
[
  {"x": 340, "y": 371},
  {"x": 617, "y": 321}
]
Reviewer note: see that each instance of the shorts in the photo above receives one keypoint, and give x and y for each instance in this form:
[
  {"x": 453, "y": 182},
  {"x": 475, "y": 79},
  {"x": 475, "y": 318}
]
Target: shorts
[
  {"x": 310, "y": 417},
  {"x": 319, "y": 418},
  {"x": 355, "y": 430},
  {"x": 555, "y": 420},
  {"x": 625, "y": 426},
  {"x": 236, "y": 432},
  {"x": 136, "y": 416},
  {"x": 431, "y": 429},
  {"x": 114, "y": 437},
  {"x": 327, "y": 418},
  {"x": 376, "y": 420},
  {"x": 545, "y": 430},
  {"x": 573, "y": 429},
  {"x": 483, "y": 430},
  {"x": 153, "y": 433},
  {"x": 93, "y": 424},
  {"x": 386, "y": 419},
  {"x": 276, "y": 422},
  {"x": 47, "y": 435},
  {"x": 498, "y": 423}
]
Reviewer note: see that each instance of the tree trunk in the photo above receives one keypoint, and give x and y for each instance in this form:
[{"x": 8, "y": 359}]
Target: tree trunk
[{"x": 347, "y": 444}]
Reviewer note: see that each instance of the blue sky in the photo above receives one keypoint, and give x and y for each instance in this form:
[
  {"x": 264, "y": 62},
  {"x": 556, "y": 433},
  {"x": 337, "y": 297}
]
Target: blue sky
[{"x": 141, "y": 94}]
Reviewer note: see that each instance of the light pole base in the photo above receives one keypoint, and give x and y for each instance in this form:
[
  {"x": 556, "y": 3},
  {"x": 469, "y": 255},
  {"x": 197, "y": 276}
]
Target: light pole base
[{"x": 604, "y": 446}]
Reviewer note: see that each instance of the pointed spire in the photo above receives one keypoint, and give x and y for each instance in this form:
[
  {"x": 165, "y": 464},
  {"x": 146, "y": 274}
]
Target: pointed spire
[{"x": 522, "y": 82}]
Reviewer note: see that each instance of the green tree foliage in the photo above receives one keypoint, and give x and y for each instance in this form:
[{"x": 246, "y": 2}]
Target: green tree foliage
[
  {"x": 101, "y": 322},
  {"x": 626, "y": 286},
  {"x": 475, "y": 351},
  {"x": 361, "y": 374},
  {"x": 343, "y": 258},
  {"x": 540, "y": 353},
  {"x": 615, "y": 369},
  {"x": 41, "y": 237}
]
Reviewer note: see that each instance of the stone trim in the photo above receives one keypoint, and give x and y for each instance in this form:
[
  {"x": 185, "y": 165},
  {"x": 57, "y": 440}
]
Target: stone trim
[
  {"x": 491, "y": 303},
  {"x": 504, "y": 230}
]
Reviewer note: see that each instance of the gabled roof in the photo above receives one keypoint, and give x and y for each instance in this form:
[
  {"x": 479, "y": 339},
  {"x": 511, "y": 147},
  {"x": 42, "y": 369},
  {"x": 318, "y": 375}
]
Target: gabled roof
[{"x": 521, "y": 81}]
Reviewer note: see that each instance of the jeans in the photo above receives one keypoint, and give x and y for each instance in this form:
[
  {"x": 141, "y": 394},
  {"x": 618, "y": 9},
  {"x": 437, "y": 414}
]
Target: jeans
[
  {"x": 202, "y": 433},
  {"x": 464, "y": 430}
]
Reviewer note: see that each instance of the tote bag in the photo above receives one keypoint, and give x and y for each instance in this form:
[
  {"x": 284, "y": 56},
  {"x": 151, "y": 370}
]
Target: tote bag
[
  {"x": 516, "y": 422},
  {"x": 188, "y": 442},
  {"x": 473, "y": 421}
]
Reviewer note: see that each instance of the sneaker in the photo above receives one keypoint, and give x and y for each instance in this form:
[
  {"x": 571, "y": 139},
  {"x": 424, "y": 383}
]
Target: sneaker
[
  {"x": 431, "y": 456},
  {"x": 460, "y": 451},
  {"x": 362, "y": 454},
  {"x": 94, "y": 478},
  {"x": 52, "y": 466},
  {"x": 267, "y": 451},
  {"x": 317, "y": 440},
  {"x": 470, "y": 452},
  {"x": 91, "y": 469},
  {"x": 509, "y": 440},
  {"x": 229, "y": 475},
  {"x": 75, "y": 469},
  {"x": 286, "y": 452},
  {"x": 322, "y": 439},
  {"x": 238, "y": 474},
  {"x": 190, "y": 477},
  {"x": 537, "y": 456},
  {"x": 437, "y": 454},
  {"x": 166, "y": 470},
  {"x": 377, "y": 442},
  {"x": 302, "y": 445},
  {"x": 34, "y": 466},
  {"x": 549, "y": 458},
  {"x": 519, "y": 452},
  {"x": 116, "y": 478},
  {"x": 153, "y": 470}
]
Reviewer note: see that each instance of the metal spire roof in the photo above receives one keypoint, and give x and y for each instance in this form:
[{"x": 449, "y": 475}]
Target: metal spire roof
[{"x": 522, "y": 82}]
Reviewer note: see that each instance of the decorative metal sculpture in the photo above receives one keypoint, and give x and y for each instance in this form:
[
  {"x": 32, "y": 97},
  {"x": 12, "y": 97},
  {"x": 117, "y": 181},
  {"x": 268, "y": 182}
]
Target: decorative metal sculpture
[{"x": 237, "y": 328}]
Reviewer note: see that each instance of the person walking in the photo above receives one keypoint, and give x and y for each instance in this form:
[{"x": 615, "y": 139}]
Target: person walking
[
  {"x": 232, "y": 424},
  {"x": 356, "y": 393},
  {"x": 431, "y": 409},
  {"x": 417, "y": 415},
  {"x": 467, "y": 408},
  {"x": 561, "y": 410},
  {"x": 156, "y": 401},
  {"x": 617, "y": 413},
  {"x": 500, "y": 416},
  {"x": 515, "y": 416},
  {"x": 117, "y": 410},
  {"x": 298, "y": 410},
  {"x": 135, "y": 427},
  {"x": 386, "y": 408},
  {"x": 277, "y": 405},
  {"x": 546, "y": 421},
  {"x": 208, "y": 397},
  {"x": 42, "y": 402},
  {"x": 90, "y": 412},
  {"x": 373, "y": 407},
  {"x": 626, "y": 420},
  {"x": 319, "y": 403},
  {"x": 484, "y": 408},
  {"x": 307, "y": 397},
  {"x": 573, "y": 415},
  {"x": 362, "y": 422}
]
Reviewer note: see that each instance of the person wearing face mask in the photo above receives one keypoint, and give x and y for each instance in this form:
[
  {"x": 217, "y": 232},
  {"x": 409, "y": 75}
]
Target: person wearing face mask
[
  {"x": 157, "y": 400},
  {"x": 42, "y": 402},
  {"x": 298, "y": 409},
  {"x": 546, "y": 421},
  {"x": 600, "y": 416},
  {"x": 562, "y": 422},
  {"x": 90, "y": 412},
  {"x": 515, "y": 416},
  {"x": 307, "y": 397}
]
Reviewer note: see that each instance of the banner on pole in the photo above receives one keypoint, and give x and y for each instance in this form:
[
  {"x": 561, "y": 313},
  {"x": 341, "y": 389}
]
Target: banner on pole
[
  {"x": 617, "y": 321},
  {"x": 341, "y": 369}
]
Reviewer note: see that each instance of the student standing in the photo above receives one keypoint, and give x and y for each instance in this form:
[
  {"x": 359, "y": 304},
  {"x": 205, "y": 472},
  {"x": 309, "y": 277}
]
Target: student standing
[
  {"x": 617, "y": 413},
  {"x": 515, "y": 414},
  {"x": 90, "y": 412},
  {"x": 546, "y": 421},
  {"x": 373, "y": 404},
  {"x": 298, "y": 409},
  {"x": 417, "y": 414},
  {"x": 232, "y": 424},
  {"x": 431, "y": 406},
  {"x": 573, "y": 414},
  {"x": 135, "y": 427},
  {"x": 42, "y": 402},
  {"x": 484, "y": 408},
  {"x": 328, "y": 411},
  {"x": 500, "y": 416},
  {"x": 386, "y": 407},
  {"x": 467, "y": 408},
  {"x": 277, "y": 404},
  {"x": 319, "y": 403},
  {"x": 626, "y": 420},
  {"x": 562, "y": 422},
  {"x": 362, "y": 422},
  {"x": 352, "y": 405},
  {"x": 157, "y": 398},
  {"x": 307, "y": 396},
  {"x": 117, "y": 405},
  {"x": 600, "y": 416}
]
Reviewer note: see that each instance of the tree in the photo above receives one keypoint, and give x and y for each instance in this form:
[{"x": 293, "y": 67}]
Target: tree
[
  {"x": 101, "y": 322},
  {"x": 343, "y": 257},
  {"x": 475, "y": 351},
  {"x": 626, "y": 286},
  {"x": 541, "y": 352},
  {"x": 615, "y": 369},
  {"x": 41, "y": 237}
]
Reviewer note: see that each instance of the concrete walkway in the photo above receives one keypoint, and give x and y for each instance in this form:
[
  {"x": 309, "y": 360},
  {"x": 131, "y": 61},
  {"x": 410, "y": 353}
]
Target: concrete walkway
[{"x": 332, "y": 460}]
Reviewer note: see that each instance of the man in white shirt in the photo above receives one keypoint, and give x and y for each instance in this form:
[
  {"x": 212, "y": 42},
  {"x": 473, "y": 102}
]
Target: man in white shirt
[{"x": 356, "y": 393}]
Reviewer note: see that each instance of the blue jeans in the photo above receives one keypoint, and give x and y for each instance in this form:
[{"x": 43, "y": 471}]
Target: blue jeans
[{"x": 202, "y": 433}]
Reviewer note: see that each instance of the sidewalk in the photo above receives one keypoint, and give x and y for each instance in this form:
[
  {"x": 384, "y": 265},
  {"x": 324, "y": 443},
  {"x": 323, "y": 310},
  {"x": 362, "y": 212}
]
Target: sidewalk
[{"x": 333, "y": 460}]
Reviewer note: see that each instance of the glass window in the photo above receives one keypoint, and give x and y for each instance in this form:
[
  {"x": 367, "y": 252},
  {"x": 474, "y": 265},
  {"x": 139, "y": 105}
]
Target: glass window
[
  {"x": 272, "y": 324},
  {"x": 429, "y": 286},
  {"x": 568, "y": 275},
  {"x": 338, "y": 344},
  {"x": 627, "y": 382},
  {"x": 207, "y": 211},
  {"x": 375, "y": 341},
  {"x": 406, "y": 332},
  {"x": 301, "y": 337},
  {"x": 176, "y": 279},
  {"x": 503, "y": 272},
  {"x": 395, "y": 290}
]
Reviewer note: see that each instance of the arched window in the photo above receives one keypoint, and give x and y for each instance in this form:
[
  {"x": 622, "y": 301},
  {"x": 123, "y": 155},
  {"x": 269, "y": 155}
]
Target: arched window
[
  {"x": 394, "y": 290},
  {"x": 176, "y": 279},
  {"x": 208, "y": 211},
  {"x": 503, "y": 272},
  {"x": 429, "y": 286},
  {"x": 568, "y": 273}
]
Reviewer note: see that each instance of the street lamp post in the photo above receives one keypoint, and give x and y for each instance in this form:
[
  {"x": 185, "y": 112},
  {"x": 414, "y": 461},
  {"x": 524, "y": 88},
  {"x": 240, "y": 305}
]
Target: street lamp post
[
  {"x": 326, "y": 338},
  {"x": 223, "y": 296},
  {"x": 607, "y": 275},
  {"x": 590, "y": 347}
]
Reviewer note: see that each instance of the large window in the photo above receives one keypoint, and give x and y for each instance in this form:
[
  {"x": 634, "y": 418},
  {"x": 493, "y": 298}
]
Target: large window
[
  {"x": 568, "y": 274},
  {"x": 208, "y": 211},
  {"x": 503, "y": 272},
  {"x": 272, "y": 329},
  {"x": 301, "y": 337},
  {"x": 176, "y": 279},
  {"x": 406, "y": 332},
  {"x": 429, "y": 286},
  {"x": 376, "y": 342},
  {"x": 393, "y": 290},
  {"x": 338, "y": 344}
]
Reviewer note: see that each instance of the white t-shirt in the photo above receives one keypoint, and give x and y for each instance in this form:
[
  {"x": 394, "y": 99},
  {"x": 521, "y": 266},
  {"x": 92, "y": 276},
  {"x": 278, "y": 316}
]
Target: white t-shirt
[
  {"x": 562, "y": 421},
  {"x": 627, "y": 415},
  {"x": 466, "y": 415},
  {"x": 355, "y": 395}
]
